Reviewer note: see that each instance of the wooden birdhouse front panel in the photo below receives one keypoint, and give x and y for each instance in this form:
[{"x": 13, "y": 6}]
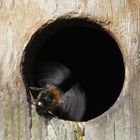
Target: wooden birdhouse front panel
[{"x": 98, "y": 40}]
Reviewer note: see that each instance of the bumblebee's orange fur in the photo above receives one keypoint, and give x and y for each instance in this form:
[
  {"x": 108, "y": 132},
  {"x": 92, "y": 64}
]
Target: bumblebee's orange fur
[{"x": 56, "y": 94}]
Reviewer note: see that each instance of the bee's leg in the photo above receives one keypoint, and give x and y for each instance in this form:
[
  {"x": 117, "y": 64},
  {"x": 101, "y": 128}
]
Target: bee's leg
[
  {"x": 33, "y": 101},
  {"x": 36, "y": 88},
  {"x": 52, "y": 114}
]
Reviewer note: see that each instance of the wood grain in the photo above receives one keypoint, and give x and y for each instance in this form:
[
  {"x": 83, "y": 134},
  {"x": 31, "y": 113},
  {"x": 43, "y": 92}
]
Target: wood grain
[{"x": 19, "y": 20}]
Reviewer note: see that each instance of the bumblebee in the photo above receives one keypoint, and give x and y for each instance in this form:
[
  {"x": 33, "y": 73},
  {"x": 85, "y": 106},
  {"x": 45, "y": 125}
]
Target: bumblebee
[{"x": 58, "y": 96}]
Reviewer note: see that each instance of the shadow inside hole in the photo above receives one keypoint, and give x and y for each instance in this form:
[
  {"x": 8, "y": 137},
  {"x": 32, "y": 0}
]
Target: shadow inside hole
[{"x": 90, "y": 53}]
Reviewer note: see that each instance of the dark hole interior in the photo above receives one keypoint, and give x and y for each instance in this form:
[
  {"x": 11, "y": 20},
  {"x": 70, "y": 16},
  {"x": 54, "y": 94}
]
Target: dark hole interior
[{"x": 88, "y": 51}]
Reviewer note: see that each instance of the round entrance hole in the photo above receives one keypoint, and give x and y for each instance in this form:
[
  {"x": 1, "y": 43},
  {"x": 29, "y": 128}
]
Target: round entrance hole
[{"x": 88, "y": 51}]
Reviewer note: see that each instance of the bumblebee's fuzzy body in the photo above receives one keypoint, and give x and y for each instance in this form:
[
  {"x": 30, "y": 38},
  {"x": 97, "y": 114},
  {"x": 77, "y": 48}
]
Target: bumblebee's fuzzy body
[
  {"x": 59, "y": 93},
  {"x": 47, "y": 101}
]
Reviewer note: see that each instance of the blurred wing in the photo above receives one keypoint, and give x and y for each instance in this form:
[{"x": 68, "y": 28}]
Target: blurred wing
[
  {"x": 73, "y": 104},
  {"x": 51, "y": 73}
]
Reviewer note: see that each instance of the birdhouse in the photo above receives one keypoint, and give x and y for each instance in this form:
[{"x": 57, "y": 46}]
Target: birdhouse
[{"x": 69, "y": 70}]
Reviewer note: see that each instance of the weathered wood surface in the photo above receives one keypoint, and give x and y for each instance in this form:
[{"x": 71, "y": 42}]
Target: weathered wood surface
[{"x": 19, "y": 20}]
